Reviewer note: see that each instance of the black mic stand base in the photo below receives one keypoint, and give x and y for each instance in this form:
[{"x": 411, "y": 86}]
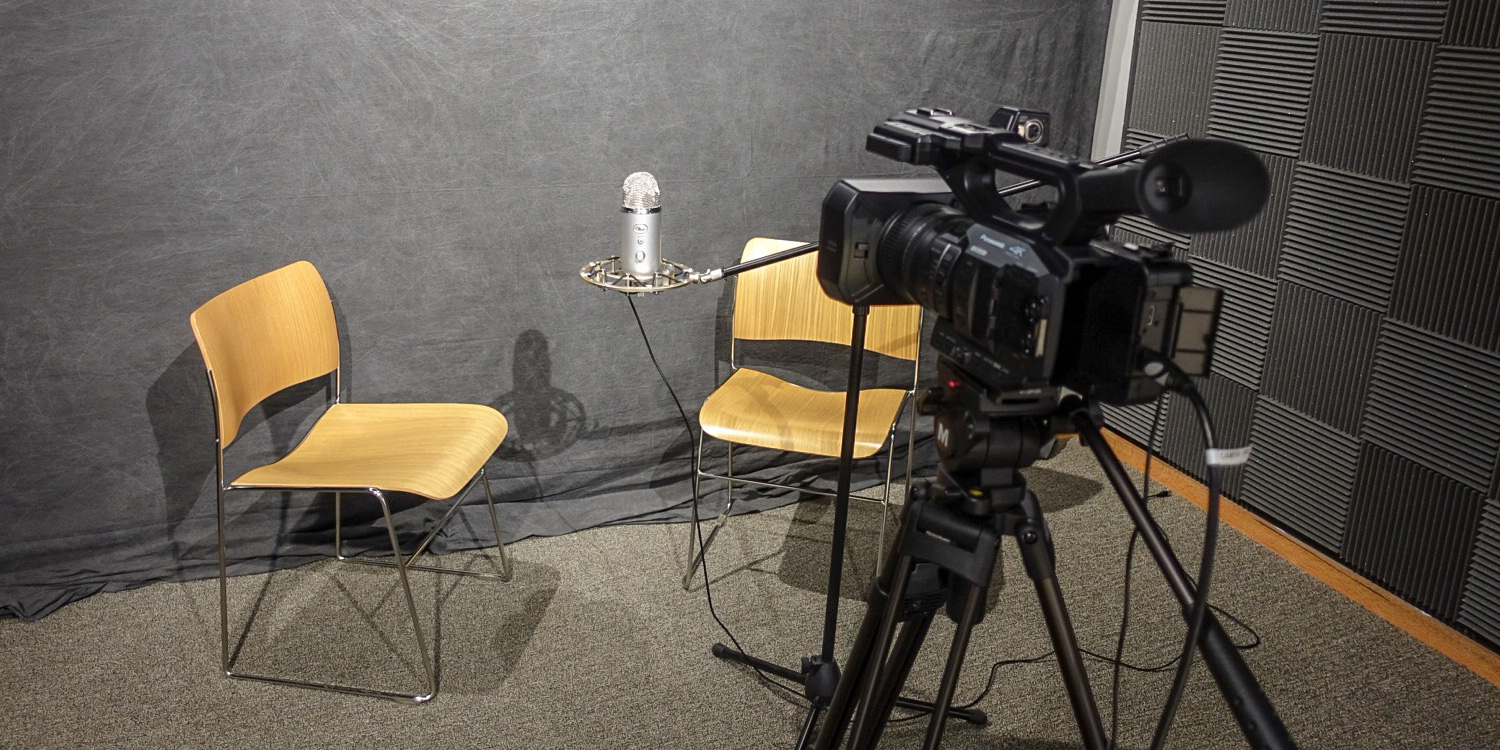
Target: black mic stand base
[{"x": 819, "y": 680}]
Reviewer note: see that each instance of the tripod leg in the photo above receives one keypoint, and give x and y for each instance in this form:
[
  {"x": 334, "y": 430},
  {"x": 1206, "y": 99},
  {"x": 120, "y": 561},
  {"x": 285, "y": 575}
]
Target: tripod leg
[
  {"x": 973, "y": 606},
  {"x": 870, "y": 646},
  {"x": 1257, "y": 718},
  {"x": 1037, "y": 554},
  {"x": 892, "y": 678},
  {"x": 880, "y": 647},
  {"x": 896, "y": 672}
]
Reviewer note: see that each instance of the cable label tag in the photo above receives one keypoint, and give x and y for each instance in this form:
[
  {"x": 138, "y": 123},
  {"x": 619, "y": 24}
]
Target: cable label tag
[{"x": 1227, "y": 456}]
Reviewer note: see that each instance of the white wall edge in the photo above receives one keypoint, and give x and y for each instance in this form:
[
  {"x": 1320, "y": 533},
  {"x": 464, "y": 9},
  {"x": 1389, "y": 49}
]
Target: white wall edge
[{"x": 1114, "y": 85}]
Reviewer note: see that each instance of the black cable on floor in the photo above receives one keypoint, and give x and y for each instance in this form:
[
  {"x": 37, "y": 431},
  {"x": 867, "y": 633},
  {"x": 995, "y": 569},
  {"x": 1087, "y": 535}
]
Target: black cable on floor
[{"x": 1135, "y": 535}]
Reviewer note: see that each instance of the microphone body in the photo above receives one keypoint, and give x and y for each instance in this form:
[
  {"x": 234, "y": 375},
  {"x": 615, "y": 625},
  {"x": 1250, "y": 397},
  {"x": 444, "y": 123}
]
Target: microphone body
[{"x": 640, "y": 227}]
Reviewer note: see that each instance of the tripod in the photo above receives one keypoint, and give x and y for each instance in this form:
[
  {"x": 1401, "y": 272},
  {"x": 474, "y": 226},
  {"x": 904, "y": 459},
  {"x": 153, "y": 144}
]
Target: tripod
[
  {"x": 945, "y": 551},
  {"x": 819, "y": 674}
]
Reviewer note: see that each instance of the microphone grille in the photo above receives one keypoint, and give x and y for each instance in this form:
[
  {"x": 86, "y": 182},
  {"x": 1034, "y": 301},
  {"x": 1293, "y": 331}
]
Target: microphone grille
[{"x": 641, "y": 192}]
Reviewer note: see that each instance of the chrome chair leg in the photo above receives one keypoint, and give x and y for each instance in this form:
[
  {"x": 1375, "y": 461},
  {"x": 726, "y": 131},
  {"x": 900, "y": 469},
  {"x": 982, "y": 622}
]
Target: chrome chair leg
[
  {"x": 410, "y": 560},
  {"x": 411, "y": 603},
  {"x": 411, "y": 608},
  {"x": 694, "y": 527},
  {"x": 723, "y": 518},
  {"x": 489, "y": 500},
  {"x": 224, "y": 661}
]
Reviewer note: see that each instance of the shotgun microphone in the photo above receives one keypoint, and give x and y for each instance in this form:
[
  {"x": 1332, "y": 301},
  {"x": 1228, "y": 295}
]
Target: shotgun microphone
[{"x": 640, "y": 227}]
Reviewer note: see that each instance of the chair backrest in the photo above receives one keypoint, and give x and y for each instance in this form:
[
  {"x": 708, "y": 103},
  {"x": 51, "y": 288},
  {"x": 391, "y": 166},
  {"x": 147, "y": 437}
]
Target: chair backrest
[
  {"x": 783, "y": 301},
  {"x": 263, "y": 336}
]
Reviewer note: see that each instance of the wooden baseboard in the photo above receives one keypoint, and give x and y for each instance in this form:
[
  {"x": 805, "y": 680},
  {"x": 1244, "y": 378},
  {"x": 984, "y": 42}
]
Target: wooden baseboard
[{"x": 1416, "y": 623}]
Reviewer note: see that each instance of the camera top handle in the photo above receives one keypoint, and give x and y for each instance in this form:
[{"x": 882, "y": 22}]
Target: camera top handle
[{"x": 1186, "y": 185}]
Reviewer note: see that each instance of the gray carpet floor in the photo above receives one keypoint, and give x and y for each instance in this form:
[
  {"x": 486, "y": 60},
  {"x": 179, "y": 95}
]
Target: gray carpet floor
[{"x": 594, "y": 644}]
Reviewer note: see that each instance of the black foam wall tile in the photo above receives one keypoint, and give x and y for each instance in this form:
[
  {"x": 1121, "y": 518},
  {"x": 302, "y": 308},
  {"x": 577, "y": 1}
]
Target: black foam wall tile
[
  {"x": 1136, "y": 421},
  {"x": 1448, "y": 280},
  {"x": 1301, "y": 474},
  {"x": 1365, "y": 104},
  {"x": 1416, "y": 19},
  {"x": 1232, "y": 406},
  {"x": 1275, "y": 15},
  {"x": 1184, "y": 11},
  {"x": 1411, "y": 530},
  {"x": 1244, "y": 320},
  {"x": 1320, "y": 354},
  {"x": 1255, "y": 246},
  {"x": 1262, "y": 89},
  {"x": 1479, "y": 609},
  {"x": 1473, "y": 23},
  {"x": 1436, "y": 402},
  {"x": 1172, "y": 77},
  {"x": 1458, "y": 146},
  {"x": 1343, "y": 234}
]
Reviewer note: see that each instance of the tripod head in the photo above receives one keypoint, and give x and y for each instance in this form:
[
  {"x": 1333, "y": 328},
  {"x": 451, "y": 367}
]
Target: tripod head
[{"x": 985, "y": 436}]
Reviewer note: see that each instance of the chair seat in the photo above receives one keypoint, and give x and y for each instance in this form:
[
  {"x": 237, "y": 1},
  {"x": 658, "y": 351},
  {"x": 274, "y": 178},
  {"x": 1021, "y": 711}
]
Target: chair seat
[
  {"x": 431, "y": 450},
  {"x": 756, "y": 408}
]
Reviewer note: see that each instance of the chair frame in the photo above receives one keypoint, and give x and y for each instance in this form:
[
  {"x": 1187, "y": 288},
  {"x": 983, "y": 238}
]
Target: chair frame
[
  {"x": 399, "y": 560},
  {"x": 857, "y": 351}
]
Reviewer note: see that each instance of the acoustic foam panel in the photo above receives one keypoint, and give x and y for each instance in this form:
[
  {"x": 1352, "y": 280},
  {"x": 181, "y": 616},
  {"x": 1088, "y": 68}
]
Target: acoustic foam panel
[
  {"x": 1436, "y": 402},
  {"x": 1262, "y": 89},
  {"x": 1172, "y": 78},
  {"x": 1232, "y": 406},
  {"x": 1244, "y": 320},
  {"x": 1135, "y": 421},
  {"x": 1299, "y": 16},
  {"x": 1301, "y": 474},
  {"x": 1473, "y": 23},
  {"x": 1411, "y": 530},
  {"x": 1458, "y": 146},
  {"x": 1320, "y": 354},
  {"x": 1415, "y": 19},
  {"x": 1254, "y": 247},
  {"x": 1480, "y": 606},
  {"x": 1448, "y": 280},
  {"x": 1343, "y": 234},
  {"x": 1366, "y": 98},
  {"x": 1184, "y": 11}
]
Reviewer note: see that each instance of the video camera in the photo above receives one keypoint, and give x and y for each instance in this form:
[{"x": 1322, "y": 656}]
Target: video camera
[{"x": 1035, "y": 298}]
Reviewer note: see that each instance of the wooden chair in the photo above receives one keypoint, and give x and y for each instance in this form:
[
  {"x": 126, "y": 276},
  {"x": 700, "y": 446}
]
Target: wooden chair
[
  {"x": 278, "y": 330},
  {"x": 784, "y": 302}
]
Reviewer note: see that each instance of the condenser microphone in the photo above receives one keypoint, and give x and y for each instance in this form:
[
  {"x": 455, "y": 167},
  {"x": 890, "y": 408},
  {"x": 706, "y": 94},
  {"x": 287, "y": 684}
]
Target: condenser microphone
[{"x": 640, "y": 222}]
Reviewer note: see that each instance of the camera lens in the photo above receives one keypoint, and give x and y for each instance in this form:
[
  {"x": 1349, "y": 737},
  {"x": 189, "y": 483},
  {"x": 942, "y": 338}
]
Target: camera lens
[{"x": 917, "y": 252}]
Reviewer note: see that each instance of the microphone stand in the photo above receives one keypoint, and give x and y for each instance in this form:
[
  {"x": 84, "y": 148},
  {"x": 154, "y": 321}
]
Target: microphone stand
[{"x": 819, "y": 674}]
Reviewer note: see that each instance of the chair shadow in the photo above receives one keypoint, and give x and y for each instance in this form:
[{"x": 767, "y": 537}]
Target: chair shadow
[{"x": 286, "y": 634}]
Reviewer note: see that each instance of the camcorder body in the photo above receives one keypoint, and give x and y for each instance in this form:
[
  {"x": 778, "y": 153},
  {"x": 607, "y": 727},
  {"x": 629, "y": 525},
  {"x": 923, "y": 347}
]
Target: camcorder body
[{"x": 1035, "y": 298}]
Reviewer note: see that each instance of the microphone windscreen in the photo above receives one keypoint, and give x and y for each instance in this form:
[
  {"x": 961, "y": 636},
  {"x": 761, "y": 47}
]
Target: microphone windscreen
[{"x": 640, "y": 192}]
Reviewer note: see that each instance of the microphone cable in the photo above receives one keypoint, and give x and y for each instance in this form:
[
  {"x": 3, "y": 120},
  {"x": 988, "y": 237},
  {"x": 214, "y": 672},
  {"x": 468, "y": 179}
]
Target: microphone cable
[
  {"x": 1135, "y": 536},
  {"x": 697, "y": 527},
  {"x": 1198, "y": 616}
]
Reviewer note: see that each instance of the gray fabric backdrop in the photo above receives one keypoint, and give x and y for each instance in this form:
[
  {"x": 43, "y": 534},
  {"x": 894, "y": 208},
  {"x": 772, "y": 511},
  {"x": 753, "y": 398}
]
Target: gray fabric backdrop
[{"x": 448, "y": 167}]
